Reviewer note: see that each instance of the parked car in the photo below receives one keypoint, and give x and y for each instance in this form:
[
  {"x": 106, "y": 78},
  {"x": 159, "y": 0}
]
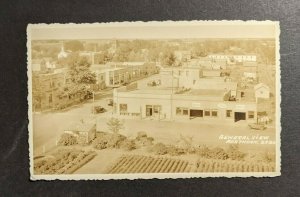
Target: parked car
[
  {"x": 257, "y": 126},
  {"x": 98, "y": 109}
]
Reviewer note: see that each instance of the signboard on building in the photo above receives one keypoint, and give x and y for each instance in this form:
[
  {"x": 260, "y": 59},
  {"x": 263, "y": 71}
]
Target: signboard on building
[
  {"x": 222, "y": 105},
  {"x": 240, "y": 107},
  {"x": 197, "y": 105}
]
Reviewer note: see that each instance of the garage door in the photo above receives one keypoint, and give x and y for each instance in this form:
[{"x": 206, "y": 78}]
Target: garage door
[{"x": 196, "y": 113}]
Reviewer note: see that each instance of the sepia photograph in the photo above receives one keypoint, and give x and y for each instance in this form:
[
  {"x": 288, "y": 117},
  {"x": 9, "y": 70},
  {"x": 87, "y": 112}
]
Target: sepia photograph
[{"x": 148, "y": 100}]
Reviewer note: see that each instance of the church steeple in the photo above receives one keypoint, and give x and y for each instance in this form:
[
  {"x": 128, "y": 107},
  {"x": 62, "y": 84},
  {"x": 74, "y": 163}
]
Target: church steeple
[{"x": 62, "y": 53}]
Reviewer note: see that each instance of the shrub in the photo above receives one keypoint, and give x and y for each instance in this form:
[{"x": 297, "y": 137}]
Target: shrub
[
  {"x": 175, "y": 151},
  {"x": 143, "y": 140},
  {"x": 107, "y": 140},
  {"x": 203, "y": 151},
  {"x": 234, "y": 153},
  {"x": 160, "y": 149},
  {"x": 100, "y": 143},
  {"x": 115, "y": 140},
  {"x": 127, "y": 144},
  {"x": 269, "y": 157},
  {"x": 67, "y": 139},
  {"x": 219, "y": 153}
]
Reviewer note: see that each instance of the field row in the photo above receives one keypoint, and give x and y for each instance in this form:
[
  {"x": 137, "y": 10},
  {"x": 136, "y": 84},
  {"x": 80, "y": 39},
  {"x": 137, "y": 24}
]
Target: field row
[
  {"x": 148, "y": 164},
  {"x": 205, "y": 165}
]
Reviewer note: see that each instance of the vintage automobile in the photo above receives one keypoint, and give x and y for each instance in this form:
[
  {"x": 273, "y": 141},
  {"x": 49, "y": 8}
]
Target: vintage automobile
[
  {"x": 98, "y": 109},
  {"x": 257, "y": 126}
]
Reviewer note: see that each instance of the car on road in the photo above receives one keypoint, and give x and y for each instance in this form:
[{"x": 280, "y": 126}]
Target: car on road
[
  {"x": 257, "y": 126},
  {"x": 98, "y": 109}
]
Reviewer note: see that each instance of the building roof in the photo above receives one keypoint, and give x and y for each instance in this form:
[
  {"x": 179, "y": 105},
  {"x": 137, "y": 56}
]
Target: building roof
[
  {"x": 261, "y": 85},
  {"x": 125, "y": 63},
  {"x": 154, "y": 91},
  {"x": 249, "y": 63},
  {"x": 213, "y": 84},
  {"x": 206, "y": 92}
]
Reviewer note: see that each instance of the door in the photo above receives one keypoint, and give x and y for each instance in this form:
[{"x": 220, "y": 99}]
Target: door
[
  {"x": 196, "y": 113},
  {"x": 239, "y": 116},
  {"x": 148, "y": 110}
]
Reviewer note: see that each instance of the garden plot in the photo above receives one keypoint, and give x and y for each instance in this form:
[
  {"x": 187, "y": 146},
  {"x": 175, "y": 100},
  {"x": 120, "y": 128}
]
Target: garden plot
[
  {"x": 148, "y": 164},
  {"x": 209, "y": 165},
  {"x": 63, "y": 161}
]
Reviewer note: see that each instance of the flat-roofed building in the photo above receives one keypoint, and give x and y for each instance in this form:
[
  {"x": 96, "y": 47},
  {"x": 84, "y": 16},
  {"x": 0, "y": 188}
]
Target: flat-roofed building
[
  {"x": 45, "y": 90},
  {"x": 187, "y": 95},
  {"x": 171, "y": 104},
  {"x": 115, "y": 74},
  {"x": 237, "y": 58}
]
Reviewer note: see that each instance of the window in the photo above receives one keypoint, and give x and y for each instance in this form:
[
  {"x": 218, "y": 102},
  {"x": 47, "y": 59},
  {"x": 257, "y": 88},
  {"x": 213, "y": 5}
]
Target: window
[
  {"x": 206, "y": 113},
  {"x": 228, "y": 113},
  {"x": 111, "y": 80},
  {"x": 250, "y": 114},
  {"x": 185, "y": 112},
  {"x": 156, "y": 108},
  {"x": 123, "y": 107},
  {"x": 182, "y": 111},
  {"x": 214, "y": 113},
  {"x": 178, "y": 111}
]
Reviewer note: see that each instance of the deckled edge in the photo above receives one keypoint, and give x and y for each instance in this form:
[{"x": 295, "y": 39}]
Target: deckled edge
[{"x": 158, "y": 175}]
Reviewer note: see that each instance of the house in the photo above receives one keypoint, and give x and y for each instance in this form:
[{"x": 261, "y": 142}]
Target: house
[
  {"x": 45, "y": 90},
  {"x": 84, "y": 131},
  {"x": 262, "y": 91}
]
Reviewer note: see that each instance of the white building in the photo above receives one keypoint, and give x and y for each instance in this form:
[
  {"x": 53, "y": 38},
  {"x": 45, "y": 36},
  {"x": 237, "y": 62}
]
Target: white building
[
  {"x": 62, "y": 53},
  {"x": 262, "y": 91},
  {"x": 237, "y": 58}
]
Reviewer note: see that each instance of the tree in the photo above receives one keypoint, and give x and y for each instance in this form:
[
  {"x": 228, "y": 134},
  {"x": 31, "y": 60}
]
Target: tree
[
  {"x": 74, "y": 46},
  {"x": 81, "y": 77},
  {"x": 169, "y": 58},
  {"x": 115, "y": 125}
]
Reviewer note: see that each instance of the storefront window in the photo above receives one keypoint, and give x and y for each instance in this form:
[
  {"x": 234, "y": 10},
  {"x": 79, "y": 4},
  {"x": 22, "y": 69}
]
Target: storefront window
[
  {"x": 206, "y": 113},
  {"x": 250, "y": 114},
  {"x": 228, "y": 113},
  {"x": 214, "y": 113},
  {"x": 185, "y": 111},
  {"x": 156, "y": 108},
  {"x": 182, "y": 111}
]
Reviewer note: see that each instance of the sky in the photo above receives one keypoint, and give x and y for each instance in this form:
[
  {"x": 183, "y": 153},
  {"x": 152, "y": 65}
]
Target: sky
[{"x": 154, "y": 30}]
